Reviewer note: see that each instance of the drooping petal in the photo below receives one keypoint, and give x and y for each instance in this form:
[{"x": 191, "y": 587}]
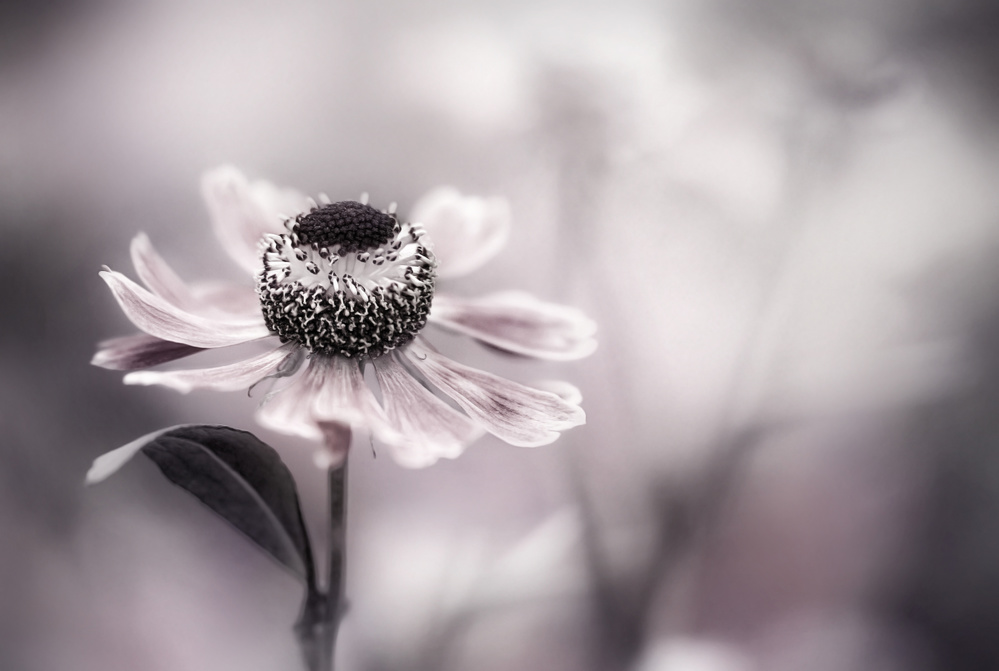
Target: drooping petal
[
  {"x": 158, "y": 276},
  {"x": 336, "y": 444},
  {"x": 224, "y": 299},
  {"x": 464, "y": 231},
  {"x": 289, "y": 410},
  {"x": 430, "y": 429},
  {"x": 137, "y": 351},
  {"x": 227, "y": 297},
  {"x": 157, "y": 317},
  {"x": 243, "y": 211},
  {"x": 231, "y": 377},
  {"x": 519, "y": 323},
  {"x": 519, "y": 415},
  {"x": 344, "y": 397},
  {"x": 567, "y": 392}
]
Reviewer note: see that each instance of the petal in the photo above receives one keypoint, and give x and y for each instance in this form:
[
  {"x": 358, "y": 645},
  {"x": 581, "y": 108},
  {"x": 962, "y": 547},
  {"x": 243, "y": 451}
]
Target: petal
[
  {"x": 430, "y": 428},
  {"x": 242, "y": 211},
  {"x": 567, "y": 392},
  {"x": 139, "y": 351},
  {"x": 227, "y": 297},
  {"x": 336, "y": 444},
  {"x": 344, "y": 397},
  {"x": 464, "y": 231},
  {"x": 203, "y": 297},
  {"x": 519, "y": 415},
  {"x": 159, "y": 318},
  {"x": 232, "y": 377},
  {"x": 289, "y": 410},
  {"x": 157, "y": 274},
  {"x": 519, "y": 323},
  {"x": 331, "y": 390}
]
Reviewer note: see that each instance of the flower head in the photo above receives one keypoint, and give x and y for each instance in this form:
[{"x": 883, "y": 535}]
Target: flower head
[{"x": 340, "y": 286}]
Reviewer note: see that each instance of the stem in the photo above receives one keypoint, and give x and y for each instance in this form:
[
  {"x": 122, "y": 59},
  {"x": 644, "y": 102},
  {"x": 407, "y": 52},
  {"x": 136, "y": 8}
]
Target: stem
[
  {"x": 337, "y": 539},
  {"x": 319, "y": 623}
]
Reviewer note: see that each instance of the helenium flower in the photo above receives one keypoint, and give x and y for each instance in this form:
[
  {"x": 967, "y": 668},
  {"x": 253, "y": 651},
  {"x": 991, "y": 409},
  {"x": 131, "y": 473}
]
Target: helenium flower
[{"x": 340, "y": 286}]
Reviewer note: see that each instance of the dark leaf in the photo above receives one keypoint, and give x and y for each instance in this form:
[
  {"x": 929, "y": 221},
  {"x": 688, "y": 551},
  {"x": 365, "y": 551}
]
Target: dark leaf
[{"x": 239, "y": 477}]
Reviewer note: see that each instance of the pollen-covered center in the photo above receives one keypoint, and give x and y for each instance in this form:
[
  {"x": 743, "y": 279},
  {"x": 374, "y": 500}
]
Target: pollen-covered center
[
  {"x": 346, "y": 280},
  {"x": 354, "y": 226}
]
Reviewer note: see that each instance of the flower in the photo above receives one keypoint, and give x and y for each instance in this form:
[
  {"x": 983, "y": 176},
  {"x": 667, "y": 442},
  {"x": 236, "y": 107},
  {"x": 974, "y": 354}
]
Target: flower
[{"x": 339, "y": 286}]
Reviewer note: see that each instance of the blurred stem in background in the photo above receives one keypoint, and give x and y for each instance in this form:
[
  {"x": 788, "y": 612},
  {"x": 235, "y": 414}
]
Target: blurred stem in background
[{"x": 322, "y": 612}]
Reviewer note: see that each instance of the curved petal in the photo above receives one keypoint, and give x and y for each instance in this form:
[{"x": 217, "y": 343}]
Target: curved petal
[
  {"x": 137, "y": 351},
  {"x": 227, "y": 297},
  {"x": 231, "y": 377},
  {"x": 158, "y": 276},
  {"x": 336, "y": 444},
  {"x": 289, "y": 410},
  {"x": 519, "y": 323},
  {"x": 430, "y": 429},
  {"x": 330, "y": 391},
  {"x": 243, "y": 211},
  {"x": 519, "y": 415},
  {"x": 464, "y": 231},
  {"x": 344, "y": 397},
  {"x": 157, "y": 317},
  {"x": 567, "y": 392}
]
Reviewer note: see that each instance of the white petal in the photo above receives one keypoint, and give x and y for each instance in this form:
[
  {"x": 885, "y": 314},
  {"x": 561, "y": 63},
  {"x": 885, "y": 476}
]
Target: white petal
[
  {"x": 224, "y": 299},
  {"x": 227, "y": 297},
  {"x": 139, "y": 351},
  {"x": 159, "y": 318},
  {"x": 157, "y": 274},
  {"x": 464, "y": 231},
  {"x": 430, "y": 429},
  {"x": 331, "y": 390},
  {"x": 567, "y": 392},
  {"x": 336, "y": 444},
  {"x": 109, "y": 462},
  {"x": 232, "y": 377},
  {"x": 519, "y": 415},
  {"x": 242, "y": 211},
  {"x": 519, "y": 323},
  {"x": 344, "y": 397},
  {"x": 289, "y": 410}
]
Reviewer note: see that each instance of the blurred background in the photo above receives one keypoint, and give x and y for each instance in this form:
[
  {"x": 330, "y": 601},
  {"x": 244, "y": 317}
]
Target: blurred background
[{"x": 781, "y": 214}]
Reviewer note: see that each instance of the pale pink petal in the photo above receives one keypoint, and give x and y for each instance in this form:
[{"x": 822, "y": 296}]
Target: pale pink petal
[
  {"x": 464, "y": 231},
  {"x": 289, "y": 410},
  {"x": 228, "y": 297},
  {"x": 157, "y": 274},
  {"x": 519, "y": 415},
  {"x": 336, "y": 444},
  {"x": 519, "y": 323},
  {"x": 231, "y": 377},
  {"x": 567, "y": 392},
  {"x": 430, "y": 429},
  {"x": 158, "y": 317},
  {"x": 243, "y": 211},
  {"x": 344, "y": 397},
  {"x": 205, "y": 298},
  {"x": 137, "y": 351}
]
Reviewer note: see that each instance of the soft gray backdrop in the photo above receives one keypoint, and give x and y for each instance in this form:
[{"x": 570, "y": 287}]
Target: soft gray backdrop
[{"x": 782, "y": 215}]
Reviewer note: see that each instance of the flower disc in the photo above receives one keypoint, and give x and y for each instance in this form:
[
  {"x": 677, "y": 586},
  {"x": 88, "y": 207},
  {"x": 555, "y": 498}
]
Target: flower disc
[{"x": 346, "y": 280}]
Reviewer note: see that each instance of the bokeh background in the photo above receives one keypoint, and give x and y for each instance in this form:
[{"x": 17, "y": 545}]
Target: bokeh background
[{"x": 783, "y": 216}]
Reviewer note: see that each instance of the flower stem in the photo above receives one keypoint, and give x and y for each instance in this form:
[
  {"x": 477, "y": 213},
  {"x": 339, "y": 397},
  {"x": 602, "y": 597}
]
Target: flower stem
[{"x": 319, "y": 623}]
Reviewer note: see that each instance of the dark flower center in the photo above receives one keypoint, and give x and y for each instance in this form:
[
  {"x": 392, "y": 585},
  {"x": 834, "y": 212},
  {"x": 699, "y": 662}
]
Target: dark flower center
[
  {"x": 347, "y": 280},
  {"x": 353, "y": 226}
]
